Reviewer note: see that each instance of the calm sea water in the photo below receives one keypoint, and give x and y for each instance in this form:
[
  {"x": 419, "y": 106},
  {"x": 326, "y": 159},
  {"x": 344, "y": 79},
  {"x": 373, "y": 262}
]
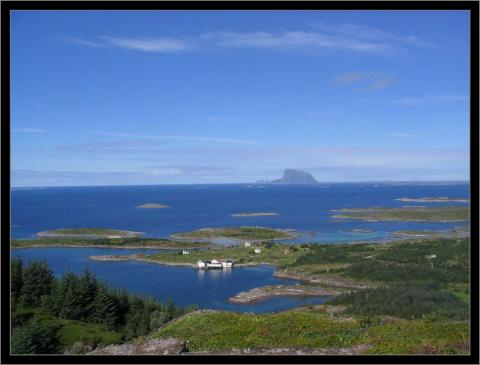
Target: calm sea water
[
  {"x": 304, "y": 208},
  {"x": 185, "y": 285}
]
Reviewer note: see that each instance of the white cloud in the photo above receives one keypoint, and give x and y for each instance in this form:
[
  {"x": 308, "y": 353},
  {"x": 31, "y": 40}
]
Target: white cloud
[
  {"x": 350, "y": 37},
  {"x": 160, "y": 44},
  {"x": 28, "y": 130},
  {"x": 289, "y": 40}
]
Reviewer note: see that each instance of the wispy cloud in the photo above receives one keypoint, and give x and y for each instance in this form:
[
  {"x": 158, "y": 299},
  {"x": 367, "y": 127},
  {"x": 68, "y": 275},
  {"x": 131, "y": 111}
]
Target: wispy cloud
[
  {"x": 347, "y": 37},
  {"x": 431, "y": 99},
  {"x": 370, "y": 80},
  {"x": 81, "y": 42},
  {"x": 160, "y": 44},
  {"x": 144, "y": 44},
  {"x": 178, "y": 138},
  {"x": 28, "y": 130},
  {"x": 393, "y": 41},
  {"x": 289, "y": 40}
]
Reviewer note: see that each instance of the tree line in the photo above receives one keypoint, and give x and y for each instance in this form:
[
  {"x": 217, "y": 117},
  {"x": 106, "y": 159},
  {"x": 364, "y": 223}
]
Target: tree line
[{"x": 77, "y": 297}]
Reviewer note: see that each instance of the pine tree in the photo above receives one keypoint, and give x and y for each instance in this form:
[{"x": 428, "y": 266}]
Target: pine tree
[
  {"x": 35, "y": 338},
  {"x": 87, "y": 291},
  {"x": 104, "y": 309},
  {"x": 37, "y": 281},
  {"x": 67, "y": 299},
  {"x": 16, "y": 279}
]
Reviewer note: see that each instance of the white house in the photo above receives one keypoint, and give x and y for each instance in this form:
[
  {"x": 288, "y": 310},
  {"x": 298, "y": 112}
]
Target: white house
[
  {"x": 214, "y": 264},
  {"x": 185, "y": 252},
  {"x": 247, "y": 244},
  {"x": 257, "y": 250},
  {"x": 201, "y": 264}
]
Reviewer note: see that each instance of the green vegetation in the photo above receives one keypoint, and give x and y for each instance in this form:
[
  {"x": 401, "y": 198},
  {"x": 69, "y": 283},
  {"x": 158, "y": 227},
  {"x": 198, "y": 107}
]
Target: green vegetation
[
  {"x": 96, "y": 232},
  {"x": 431, "y": 214},
  {"x": 275, "y": 254},
  {"x": 243, "y": 233},
  {"x": 107, "y": 242},
  {"x": 222, "y": 331},
  {"x": 412, "y": 278},
  {"x": 50, "y": 315},
  {"x": 405, "y": 301}
]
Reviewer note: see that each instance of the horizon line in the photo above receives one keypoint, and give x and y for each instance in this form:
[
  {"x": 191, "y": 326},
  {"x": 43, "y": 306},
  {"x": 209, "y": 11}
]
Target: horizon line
[{"x": 253, "y": 183}]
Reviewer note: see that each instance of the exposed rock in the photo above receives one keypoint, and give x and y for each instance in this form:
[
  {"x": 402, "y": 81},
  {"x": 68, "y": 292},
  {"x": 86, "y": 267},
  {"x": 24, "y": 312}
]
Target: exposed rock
[
  {"x": 291, "y": 176},
  {"x": 166, "y": 346},
  {"x": 266, "y": 292}
]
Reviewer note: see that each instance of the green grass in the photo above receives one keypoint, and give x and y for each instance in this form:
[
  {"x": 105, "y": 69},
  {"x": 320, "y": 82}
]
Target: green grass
[
  {"x": 431, "y": 214},
  {"x": 127, "y": 242},
  {"x": 247, "y": 233},
  {"x": 275, "y": 254},
  {"x": 223, "y": 331}
]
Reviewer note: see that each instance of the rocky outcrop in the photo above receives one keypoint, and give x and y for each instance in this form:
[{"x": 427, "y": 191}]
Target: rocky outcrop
[
  {"x": 164, "y": 346},
  {"x": 291, "y": 176}
]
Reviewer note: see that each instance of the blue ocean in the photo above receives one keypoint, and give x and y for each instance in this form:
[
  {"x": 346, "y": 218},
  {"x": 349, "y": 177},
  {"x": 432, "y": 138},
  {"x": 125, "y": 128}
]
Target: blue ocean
[{"x": 305, "y": 208}]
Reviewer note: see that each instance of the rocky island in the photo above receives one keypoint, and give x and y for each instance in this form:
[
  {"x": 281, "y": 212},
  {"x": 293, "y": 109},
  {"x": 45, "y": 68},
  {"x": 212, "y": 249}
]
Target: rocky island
[
  {"x": 236, "y": 233},
  {"x": 89, "y": 233},
  {"x": 411, "y": 214},
  {"x": 260, "y": 214},
  {"x": 153, "y": 206},
  {"x": 292, "y": 176}
]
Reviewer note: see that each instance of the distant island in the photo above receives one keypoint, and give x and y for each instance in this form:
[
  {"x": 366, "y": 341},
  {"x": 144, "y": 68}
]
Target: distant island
[
  {"x": 153, "y": 206},
  {"x": 236, "y": 233},
  {"x": 89, "y": 232},
  {"x": 291, "y": 176},
  {"x": 260, "y": 214},
  {"x": 440, "y": 199},
  {"x": 411, "y": 214}
]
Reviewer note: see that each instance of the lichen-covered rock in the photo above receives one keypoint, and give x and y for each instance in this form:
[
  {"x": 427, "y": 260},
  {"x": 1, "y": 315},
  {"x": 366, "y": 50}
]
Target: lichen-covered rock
[{"x": 164, "y": 346}]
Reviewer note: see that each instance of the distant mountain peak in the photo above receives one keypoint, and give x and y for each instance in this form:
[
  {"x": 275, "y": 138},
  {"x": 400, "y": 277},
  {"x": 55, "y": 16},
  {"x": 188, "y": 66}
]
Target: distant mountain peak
[{"x": 292, "y": 176}]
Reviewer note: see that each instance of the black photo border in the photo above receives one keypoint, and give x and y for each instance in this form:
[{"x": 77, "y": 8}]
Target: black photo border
[{"x": 8, "y": 6}]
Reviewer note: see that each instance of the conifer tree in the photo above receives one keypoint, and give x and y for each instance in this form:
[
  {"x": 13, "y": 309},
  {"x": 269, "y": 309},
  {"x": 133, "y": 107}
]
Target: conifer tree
[
  {"x": 104, "y": 309},
  {"x": 37, "y": 281},
  {"x": 16, "y": 279}
]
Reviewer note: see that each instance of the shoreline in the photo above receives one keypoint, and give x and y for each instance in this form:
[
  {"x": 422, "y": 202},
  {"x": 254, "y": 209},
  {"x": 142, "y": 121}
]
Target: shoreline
[
  {"x": 45, "y": 245},
  {"x": 264, "y": 293}
]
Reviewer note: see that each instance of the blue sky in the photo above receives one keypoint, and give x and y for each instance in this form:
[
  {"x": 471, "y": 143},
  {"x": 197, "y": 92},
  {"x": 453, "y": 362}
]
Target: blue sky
[{"x": 102, "y": 98}]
